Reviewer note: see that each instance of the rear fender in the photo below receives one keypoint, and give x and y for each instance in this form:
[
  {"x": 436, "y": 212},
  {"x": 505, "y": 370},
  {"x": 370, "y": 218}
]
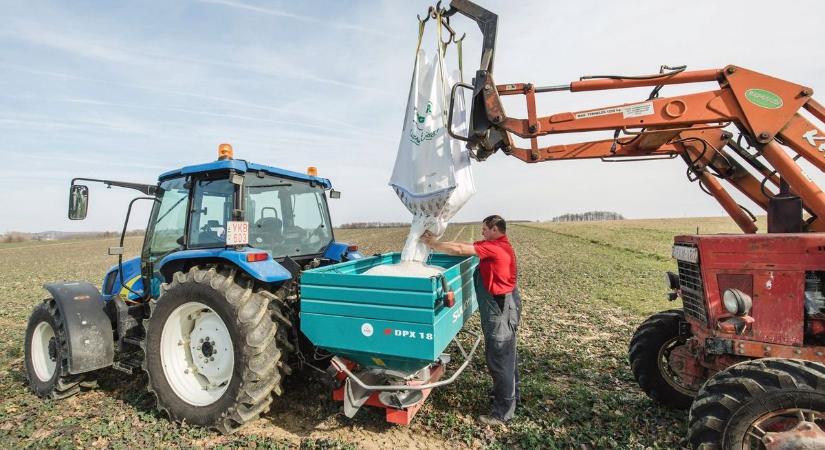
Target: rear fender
[
  {"x": 266, "y": 271},
  {"x": 339, "y": 251},
  {"x": 87, "y": 326}
]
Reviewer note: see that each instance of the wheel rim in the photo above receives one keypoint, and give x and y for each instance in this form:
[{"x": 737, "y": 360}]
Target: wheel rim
[
  {"x": 197, "y": 354},
  {"x": 44, "y": 351},
  {"x": 786, "y": 428},
  {"x": 671, "y": 376}
]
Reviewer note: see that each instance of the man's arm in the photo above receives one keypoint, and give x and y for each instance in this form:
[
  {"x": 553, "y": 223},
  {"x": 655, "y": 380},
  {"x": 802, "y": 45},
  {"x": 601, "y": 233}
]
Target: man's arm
[{"x": 450, "y": 248}]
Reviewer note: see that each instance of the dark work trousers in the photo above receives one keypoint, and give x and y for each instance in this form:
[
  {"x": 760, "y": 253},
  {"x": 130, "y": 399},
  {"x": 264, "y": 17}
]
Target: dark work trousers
[{"x": 500, "y": 317}]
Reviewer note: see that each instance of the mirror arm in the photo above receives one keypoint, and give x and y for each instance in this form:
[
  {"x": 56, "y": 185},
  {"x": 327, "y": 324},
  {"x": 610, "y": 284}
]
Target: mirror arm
[{"x": 148, "y": 189}]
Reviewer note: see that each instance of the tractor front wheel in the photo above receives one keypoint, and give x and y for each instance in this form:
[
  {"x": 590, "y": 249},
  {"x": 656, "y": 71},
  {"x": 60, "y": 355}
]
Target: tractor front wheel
[
  {"x": 211, "y": 350},
  {"x": 46, "y": 354},
  {"x": 659, "y": 359},
  {"x": 769, "y": 403}
]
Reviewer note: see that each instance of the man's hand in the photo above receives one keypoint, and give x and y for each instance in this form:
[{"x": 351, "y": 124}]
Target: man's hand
[
  {"x": 451, "y": 248},
  {"x": 429, "y": 239}
]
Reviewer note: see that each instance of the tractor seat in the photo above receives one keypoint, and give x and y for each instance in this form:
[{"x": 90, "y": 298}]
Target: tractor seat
[
  {"x": 270, "y": 228},
  {"x": 208, "y": 235}
]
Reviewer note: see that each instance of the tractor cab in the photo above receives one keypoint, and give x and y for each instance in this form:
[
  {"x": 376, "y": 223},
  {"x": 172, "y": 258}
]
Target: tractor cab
[{"x": 253, "y": 216}]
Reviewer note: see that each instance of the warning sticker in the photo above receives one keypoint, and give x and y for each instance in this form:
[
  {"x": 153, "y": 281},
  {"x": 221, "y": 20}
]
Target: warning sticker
[
  {"x": 237, "y": 233},
  {"x": 629, "y": 111},
  {"x": 640, "y": 109},
  {"x": 597, "y": 113}
]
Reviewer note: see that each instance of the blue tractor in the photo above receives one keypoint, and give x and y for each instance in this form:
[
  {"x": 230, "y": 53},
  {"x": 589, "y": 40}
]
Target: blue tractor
[{"x": 210, "y": 308}]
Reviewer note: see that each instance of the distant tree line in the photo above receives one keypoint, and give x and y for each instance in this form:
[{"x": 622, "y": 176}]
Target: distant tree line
[
  {"x": 20, "y": 236},
  {"x": 588, "y": 216},
  {"x": 375, "y": 225},
  {"x": 14, "y": 236}
]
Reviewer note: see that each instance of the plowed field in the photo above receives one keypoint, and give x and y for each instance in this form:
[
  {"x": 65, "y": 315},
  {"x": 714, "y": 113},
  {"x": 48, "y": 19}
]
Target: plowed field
[{"x": 585, "y": 288}]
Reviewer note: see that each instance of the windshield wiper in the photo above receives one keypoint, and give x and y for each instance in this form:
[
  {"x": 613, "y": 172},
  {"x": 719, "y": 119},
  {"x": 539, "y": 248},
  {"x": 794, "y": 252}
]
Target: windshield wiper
[{"x": 171, "y": 208}]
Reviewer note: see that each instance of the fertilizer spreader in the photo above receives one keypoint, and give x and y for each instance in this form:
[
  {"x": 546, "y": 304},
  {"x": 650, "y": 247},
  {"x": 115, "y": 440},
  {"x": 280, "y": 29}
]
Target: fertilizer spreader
[{"x": 388, "y": 333}]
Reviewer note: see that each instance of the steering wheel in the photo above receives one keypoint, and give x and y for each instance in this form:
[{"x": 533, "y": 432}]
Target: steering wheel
[
  {"x": 316, "y": 233},
  {"x": 210, "y": 224}
]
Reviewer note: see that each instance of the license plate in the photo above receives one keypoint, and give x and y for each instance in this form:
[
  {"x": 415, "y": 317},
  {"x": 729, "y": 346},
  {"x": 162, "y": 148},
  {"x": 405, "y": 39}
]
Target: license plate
[
  {"x": 237, "y": 233},
  {"x": 688, "y": 254}
]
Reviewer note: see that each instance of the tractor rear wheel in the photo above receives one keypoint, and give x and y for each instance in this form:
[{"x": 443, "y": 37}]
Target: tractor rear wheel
[
  {"x": 767, "y": 403},
  {"x": 211, "y": 352},
  {"x": 47, "y": 354},
  {"x": 656, "y": 358}
]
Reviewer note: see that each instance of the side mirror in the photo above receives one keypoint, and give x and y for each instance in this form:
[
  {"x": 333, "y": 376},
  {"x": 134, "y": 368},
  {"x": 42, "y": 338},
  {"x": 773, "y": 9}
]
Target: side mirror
[
  {"x": 78, "y": 201},
  {"x": 334, "y": 194}
]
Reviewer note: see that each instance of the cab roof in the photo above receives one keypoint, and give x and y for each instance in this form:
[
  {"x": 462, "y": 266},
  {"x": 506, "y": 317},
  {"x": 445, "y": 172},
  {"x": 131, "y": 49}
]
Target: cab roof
[{"x": 242, "y": 166}]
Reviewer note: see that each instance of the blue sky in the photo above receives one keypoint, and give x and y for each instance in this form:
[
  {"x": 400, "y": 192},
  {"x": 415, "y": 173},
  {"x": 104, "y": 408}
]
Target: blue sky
[{"x": 127, "y": 90}]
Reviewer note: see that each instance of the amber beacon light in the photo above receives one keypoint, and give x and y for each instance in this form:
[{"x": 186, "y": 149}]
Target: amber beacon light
[{"x": 224, "y": 151}]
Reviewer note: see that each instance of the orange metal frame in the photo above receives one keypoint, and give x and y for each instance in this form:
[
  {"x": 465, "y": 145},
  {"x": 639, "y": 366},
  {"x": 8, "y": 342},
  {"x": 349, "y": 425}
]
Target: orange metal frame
[{"x": 690, "y": 126}]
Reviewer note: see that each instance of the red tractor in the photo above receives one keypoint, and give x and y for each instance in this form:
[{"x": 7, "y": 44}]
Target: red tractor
[{"x": 746, "y": 352}]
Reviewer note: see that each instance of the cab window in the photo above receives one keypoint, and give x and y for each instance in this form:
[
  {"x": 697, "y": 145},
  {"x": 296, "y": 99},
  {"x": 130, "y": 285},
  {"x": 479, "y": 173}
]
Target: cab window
[
  {"x": 169, "y": 217},
  {"x": 211, "y": 209}
]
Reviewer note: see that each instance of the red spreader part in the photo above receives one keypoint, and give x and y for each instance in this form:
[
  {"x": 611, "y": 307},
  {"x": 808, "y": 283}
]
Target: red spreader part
[{"x": 398, "y": 416}]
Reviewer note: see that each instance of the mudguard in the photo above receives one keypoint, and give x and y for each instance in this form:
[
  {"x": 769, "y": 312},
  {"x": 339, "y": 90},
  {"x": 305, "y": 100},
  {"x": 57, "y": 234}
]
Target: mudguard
[
  {"x": 88, "y": 328},
  {"x": 339, "y": 251},
  {"x": 267, "y": 271}
]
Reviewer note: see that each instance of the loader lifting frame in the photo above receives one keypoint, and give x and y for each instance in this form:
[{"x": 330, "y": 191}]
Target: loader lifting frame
[{"x": 765, "y": 110}]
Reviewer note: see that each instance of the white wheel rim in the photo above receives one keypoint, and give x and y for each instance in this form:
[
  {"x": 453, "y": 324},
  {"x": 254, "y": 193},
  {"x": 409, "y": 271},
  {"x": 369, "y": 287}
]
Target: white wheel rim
[
  {"x": 197, "y": 354},
  {"x": 43, "y": 364}
]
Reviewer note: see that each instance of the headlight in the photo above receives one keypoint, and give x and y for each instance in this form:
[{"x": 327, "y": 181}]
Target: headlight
[
  {"x": 737, "y": 302},
  {"x": 672, "y": 280}
]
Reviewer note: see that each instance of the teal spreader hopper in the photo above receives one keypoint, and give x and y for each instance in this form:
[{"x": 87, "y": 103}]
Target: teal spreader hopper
[{"x": 388, "y": 333}]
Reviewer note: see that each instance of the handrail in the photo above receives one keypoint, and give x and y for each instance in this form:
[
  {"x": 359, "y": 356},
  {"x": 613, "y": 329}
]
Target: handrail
[{"x": 342, "y": 366}]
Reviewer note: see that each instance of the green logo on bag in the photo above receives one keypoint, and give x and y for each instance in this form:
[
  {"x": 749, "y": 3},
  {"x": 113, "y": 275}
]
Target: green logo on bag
[
  {"x": 419, "y": 134},
  {"x": 428, "y": 110},
  {"x": 418, "y": 137},
  {"x": 764, "y": 99}
]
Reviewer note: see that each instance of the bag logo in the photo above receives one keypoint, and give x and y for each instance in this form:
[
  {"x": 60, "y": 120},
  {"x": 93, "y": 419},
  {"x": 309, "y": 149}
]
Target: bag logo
[
  {"x": 419, "y": 134},
  {"x": 763, "y": 98}
]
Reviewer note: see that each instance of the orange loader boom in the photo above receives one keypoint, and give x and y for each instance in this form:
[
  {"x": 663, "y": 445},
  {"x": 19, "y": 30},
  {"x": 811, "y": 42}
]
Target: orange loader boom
[{"x": 764, "y": 109}]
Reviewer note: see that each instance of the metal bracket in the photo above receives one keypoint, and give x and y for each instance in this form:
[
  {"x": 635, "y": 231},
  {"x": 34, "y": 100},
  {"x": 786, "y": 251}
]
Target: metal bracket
[
  {"x": 450, "y": 112},
  {"x": 718, "y": 346}
]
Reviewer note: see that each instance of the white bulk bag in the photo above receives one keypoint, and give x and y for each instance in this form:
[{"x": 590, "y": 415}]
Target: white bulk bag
[{"x": 432, "y": 174}]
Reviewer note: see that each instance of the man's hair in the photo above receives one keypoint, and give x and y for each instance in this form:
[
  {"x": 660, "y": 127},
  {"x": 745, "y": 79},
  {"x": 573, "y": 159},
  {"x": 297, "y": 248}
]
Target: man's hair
[{"x": 496, "y": 221}]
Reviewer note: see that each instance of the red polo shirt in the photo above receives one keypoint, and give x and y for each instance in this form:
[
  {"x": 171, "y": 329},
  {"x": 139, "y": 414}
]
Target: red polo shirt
[{"x": 497, "y": 265}]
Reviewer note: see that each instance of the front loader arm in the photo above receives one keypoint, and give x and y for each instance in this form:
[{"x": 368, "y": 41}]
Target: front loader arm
[{"x": 764, "y": 109}]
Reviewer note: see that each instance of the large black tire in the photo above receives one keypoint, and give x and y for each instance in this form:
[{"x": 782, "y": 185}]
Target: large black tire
[
  {"x": 46, "y": 318},
  {"x": 748, "y": 393},
  {"x": 245, "y": 313},
  {"x": 654, "y": 337}
]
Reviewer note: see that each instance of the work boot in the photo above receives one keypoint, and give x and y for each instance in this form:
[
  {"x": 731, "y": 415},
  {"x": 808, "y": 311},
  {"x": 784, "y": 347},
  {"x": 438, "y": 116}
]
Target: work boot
[{"x": 491, "y": 420}]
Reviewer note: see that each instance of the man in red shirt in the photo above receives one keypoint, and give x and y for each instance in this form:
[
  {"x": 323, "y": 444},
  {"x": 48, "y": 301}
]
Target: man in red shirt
[{"x": 500, "y": 307}]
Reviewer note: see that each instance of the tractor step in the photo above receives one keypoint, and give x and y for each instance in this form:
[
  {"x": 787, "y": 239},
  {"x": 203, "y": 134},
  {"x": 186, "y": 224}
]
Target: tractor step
[
  {"x": 129, "y": 366},
  {"x": 137, "y": 342}
]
